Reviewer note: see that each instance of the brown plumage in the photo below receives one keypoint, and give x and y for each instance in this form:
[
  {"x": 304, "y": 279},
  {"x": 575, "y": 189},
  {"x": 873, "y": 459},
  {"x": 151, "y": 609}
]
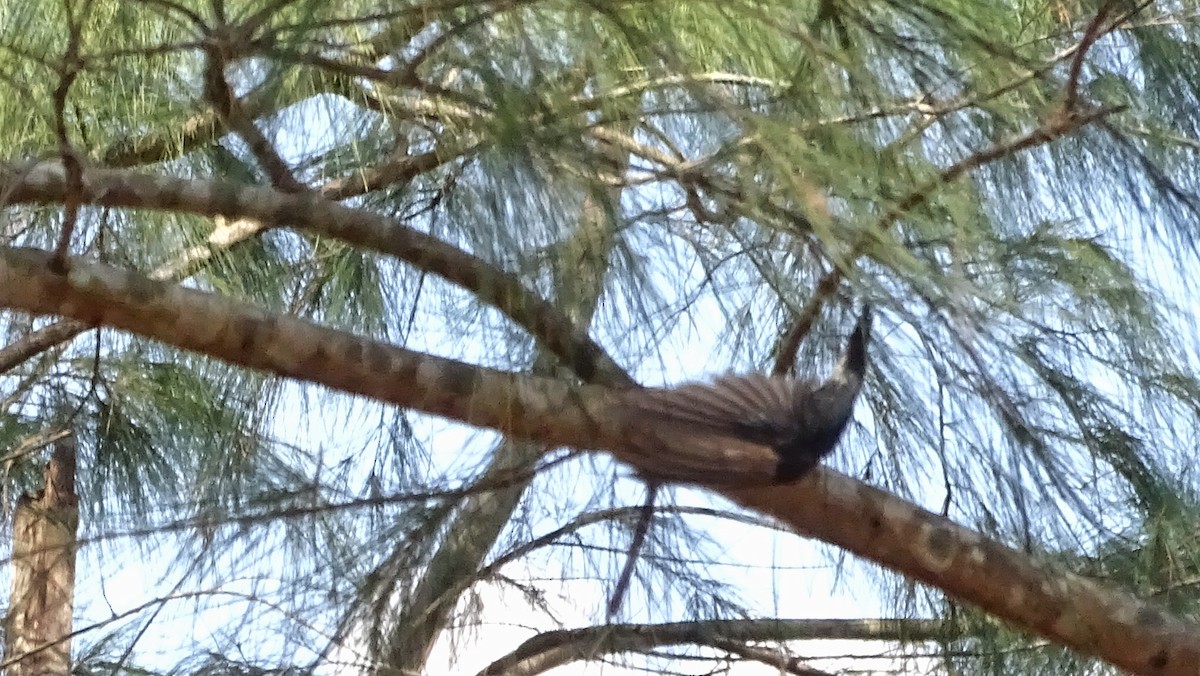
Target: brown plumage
[
  {"x": 739, "y": 430},
  {"x": 776, "y": 426}
]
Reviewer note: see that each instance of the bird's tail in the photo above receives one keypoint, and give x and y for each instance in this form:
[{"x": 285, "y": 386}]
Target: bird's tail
[{"x": 854, "y": 359}]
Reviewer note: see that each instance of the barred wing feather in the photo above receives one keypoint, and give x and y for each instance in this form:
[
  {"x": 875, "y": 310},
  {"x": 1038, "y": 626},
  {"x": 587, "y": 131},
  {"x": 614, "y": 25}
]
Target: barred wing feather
[
  {"x": 748, "y": 425},
  {"x": 737, "y": 405}
]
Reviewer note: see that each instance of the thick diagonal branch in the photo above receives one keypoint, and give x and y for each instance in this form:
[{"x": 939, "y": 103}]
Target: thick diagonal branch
[
  {"x": 549, "y": 411},
  {"x": 223, "y": 237}
]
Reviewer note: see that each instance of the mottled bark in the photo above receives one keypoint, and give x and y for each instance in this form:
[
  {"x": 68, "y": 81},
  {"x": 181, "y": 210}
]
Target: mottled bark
[
  {"x": 827, "y": 505},
  {"x": 1065, "y": 608},
  {"x": 224, "y": 236},
  {"x": 38, "y": 625},
  {"x": 545, "y": 410}
]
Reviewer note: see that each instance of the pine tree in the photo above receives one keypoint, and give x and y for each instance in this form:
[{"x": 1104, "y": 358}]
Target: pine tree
[{"x": 257, "y": 253}]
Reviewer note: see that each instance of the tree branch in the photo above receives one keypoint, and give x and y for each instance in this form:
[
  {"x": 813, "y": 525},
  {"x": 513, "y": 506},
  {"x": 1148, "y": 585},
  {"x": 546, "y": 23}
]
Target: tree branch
[
  {"x": 44, "y": 183},
  {"x": 224, "y": 236},
  {"x": 233, "y": 116},
  {"x": 545, "y": 410},
  {"x": 556, "y": 648}
]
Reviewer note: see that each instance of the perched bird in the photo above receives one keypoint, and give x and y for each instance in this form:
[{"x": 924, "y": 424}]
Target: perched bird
[
  {"x": 706, "y": 429},
  {"x": 740, "y": 430}
]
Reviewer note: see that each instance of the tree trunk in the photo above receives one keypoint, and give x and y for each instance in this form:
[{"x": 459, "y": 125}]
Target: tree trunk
[{"x": 38, "y": 626}]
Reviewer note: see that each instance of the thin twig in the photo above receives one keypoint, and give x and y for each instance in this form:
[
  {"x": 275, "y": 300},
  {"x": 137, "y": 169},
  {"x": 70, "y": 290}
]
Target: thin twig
[
  {"x": 69, "y": 69},
  {"x": 1059, "y": 124},
  {"x": 229, "y": 109}
]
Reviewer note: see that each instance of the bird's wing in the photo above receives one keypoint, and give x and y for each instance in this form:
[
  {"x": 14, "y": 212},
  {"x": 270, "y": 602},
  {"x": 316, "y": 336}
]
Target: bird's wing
[
  {"x": 748, "y": 425},
  {"x": 746, "y": 407},
  {"x": 679, "y": 452}
]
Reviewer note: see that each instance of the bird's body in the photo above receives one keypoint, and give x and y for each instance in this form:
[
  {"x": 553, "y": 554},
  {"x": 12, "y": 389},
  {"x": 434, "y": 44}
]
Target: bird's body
[
  {"x": 798, "y": 421},
  {"x": 745, "y": 430}
]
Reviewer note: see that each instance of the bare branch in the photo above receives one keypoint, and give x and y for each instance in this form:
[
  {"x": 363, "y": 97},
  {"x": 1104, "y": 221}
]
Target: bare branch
[
  {"x": 556, "y": 648},
  {"x": 224, "y": 236},
  {"x": 72, "y": 167},
  {"x": 230, "y": 112}
]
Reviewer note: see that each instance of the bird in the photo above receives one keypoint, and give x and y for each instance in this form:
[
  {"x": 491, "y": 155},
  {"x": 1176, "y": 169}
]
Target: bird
[
  {"x": 736, "y": 417},
  {"x": 721, "y": 433}
]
